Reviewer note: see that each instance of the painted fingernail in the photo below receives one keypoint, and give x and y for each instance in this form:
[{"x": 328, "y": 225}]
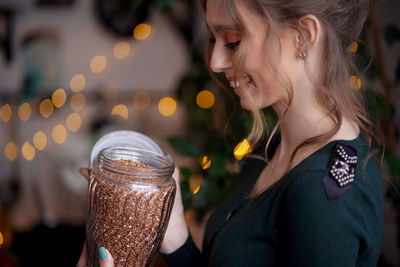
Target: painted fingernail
[
  {"x": 102, "y": 253},
  {"x": 170, "y": 157}
]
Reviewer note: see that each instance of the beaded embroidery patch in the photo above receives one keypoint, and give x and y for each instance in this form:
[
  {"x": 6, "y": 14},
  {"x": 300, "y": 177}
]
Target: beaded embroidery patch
[{"x": 341, "y": 170}]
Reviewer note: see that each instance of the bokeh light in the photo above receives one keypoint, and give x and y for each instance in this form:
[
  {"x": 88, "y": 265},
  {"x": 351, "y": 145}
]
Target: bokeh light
[
  {"x": 98, "y": 64},
  {"x": 78, "y": 102},
  {"x": 40, "y": 140},
  {"x": 59, "y": 134},
  {"x": 120, "y": 110},
  {"x": 28, "y": 151},
  {"x": 77, "y": 83},
  {"x": 5, "y": 113},
  {"x": 11, "y": 151},
  {"x": 242, "y": 149},
  {"x": 141, "y": 100},
  {"x": 195, "y": 182},
  {"x": 121, "y": 50},
  {"x": 59, "y": 97},
  {"x": 1, "y": 239},
  {"x": 205, "y": 162},
  {"x": 46, "y": 108},
  {"x": 142, "y": 31},
  {"x": 355, "y": 82},
  {"x": 74, "y": 122},
  {"x": 205, "y": 99},
  {"x": 25, "y": 111},
  {"x": 353, "y": 47},
  {"x": 167, "y": 106}
]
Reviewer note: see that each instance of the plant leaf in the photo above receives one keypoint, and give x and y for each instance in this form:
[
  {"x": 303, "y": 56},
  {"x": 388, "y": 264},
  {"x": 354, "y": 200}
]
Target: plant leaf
[{"x": 184, "y": 146}]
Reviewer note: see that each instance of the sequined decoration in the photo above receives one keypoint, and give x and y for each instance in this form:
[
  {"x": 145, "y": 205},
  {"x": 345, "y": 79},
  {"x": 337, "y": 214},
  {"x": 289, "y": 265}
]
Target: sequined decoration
[{"x": 344, "y": 167}]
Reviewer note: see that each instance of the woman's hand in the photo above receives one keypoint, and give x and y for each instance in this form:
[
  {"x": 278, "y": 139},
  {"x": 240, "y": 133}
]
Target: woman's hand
[
  {"x": 106, "y": 260},
  {"x": 177, "y": 231}
]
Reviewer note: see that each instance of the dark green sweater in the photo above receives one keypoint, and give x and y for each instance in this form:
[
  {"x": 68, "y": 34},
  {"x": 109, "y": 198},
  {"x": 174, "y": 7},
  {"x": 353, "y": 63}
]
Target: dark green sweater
[{"x": 294, "y": 223}]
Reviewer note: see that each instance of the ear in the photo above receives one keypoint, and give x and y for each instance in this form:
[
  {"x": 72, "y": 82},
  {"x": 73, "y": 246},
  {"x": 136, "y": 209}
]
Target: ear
[{"x": 311, "y": 28}]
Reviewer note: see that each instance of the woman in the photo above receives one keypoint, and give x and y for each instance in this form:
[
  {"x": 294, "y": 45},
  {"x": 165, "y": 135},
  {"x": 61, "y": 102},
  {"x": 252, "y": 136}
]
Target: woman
[{"x": 316, "y": 199}]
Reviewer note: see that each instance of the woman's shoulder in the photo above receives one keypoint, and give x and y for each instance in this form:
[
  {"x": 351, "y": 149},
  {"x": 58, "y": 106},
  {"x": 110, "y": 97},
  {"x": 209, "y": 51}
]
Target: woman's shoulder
[{"x": 340, "y": 168}]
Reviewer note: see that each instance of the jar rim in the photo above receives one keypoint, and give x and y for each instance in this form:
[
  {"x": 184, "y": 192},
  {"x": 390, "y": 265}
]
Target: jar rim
[{"x": 161, "y": 166}]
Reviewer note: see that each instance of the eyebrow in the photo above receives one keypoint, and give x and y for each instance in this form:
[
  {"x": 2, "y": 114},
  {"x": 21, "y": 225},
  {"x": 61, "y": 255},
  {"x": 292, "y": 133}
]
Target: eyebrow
[{"x": 222, "y": 28}]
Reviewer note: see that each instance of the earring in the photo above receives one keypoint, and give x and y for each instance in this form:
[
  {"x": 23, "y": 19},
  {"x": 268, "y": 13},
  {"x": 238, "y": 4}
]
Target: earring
[{"x": 301, "y": 55}]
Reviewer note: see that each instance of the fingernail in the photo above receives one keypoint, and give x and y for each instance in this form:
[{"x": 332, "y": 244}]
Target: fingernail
[
  {"x": 170, "y": 157},
  {"x": 102, "y": 253}
]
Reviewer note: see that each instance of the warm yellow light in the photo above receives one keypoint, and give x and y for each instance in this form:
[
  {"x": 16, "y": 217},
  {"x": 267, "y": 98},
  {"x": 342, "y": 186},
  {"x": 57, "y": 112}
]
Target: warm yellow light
[
  {"x": 142, "y": 31},
  {"x": 141, "y": 100},
  {"x": 59, "y": 134},
  {"x": 98, "y": 64},
  {"x": 195, "y": 182},
  {"x": 78, "y": 102},
  {"x": 242, "y": 149},
  {"x": 46, "y": 108},
  {"x": 167, "y": 106},
  {"x": 77, "y": 83},
  {"x": 355, "y": 82},
  {"x": 59, "y": 97},
  {"x": 28, "y": 151},
  {"x": 122, "y": 50},
  {"x": 24, "y": 111},
  {"x": 353, "y": 47},
  {"x": 40, "y": 140},
  {"x": 205, "y": 99},
  {"x": 5, "y": 113},
  {"x": 120, "y": 110},
  {"x": 1, "y": 239},
  {"x": 205, "y": 162},
  {"x": 74, "y": 122},
  {"x": 11, "y": 151}
]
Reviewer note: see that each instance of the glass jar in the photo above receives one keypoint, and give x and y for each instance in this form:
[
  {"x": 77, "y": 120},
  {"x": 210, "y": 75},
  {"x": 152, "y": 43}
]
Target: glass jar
[{"x": 131, "y": 193}]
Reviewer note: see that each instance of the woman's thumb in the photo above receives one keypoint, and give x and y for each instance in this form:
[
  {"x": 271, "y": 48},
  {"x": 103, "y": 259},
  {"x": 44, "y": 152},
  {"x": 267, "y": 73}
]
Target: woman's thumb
[{"x": 106, "y": 260}]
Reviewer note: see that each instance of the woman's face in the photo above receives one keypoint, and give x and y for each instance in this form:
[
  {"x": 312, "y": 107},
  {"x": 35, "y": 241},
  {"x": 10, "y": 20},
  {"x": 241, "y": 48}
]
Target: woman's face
[{"x": 257, "y": 78}]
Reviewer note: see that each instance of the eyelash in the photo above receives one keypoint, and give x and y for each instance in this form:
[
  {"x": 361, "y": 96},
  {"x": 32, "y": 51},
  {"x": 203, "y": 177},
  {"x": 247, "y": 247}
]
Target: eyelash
[{"x": 228, "y": 45}]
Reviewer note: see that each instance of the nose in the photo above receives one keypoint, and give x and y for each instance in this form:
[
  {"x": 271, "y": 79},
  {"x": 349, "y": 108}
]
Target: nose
[{"x": 221, "y": 58}]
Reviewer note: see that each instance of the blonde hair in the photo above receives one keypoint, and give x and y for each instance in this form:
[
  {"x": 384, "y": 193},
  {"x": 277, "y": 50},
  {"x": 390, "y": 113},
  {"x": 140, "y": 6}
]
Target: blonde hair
[{"x": 342, "y": 21}]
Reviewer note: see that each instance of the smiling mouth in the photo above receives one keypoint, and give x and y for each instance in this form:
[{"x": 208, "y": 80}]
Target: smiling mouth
[{"x": 240, "y": 86}]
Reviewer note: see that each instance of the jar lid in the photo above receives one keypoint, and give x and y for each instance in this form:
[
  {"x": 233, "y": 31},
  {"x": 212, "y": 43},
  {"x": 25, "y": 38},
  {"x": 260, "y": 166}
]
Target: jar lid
[{"x": 124, "y": 139}]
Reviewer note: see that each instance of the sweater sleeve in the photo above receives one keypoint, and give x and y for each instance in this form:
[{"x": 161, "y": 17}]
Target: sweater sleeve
[
  {"x": 186, "y": 255},
  {"x": 316, "y": 231}
]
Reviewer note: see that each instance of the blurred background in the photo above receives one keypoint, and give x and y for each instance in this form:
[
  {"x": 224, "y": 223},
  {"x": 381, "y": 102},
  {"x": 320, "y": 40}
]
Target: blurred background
[{"x": 74, "y": 70}]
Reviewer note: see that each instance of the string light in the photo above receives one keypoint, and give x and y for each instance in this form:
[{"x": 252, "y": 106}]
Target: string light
[
  {"x": 25, "y": 111},
  {"x": 59, "y": 98},
  {"x": 5, "y": 113},
  {"x": 205, "y": 162},
  {"x": 121, "y": 50},
  {"x": 73, "y": 122},
  {"x": 59, "y": 134},
  {"x": 1, "y": 239},
  {"x": 78, "y": 102},
  {"x": 28, "y": 151},
  {"x": 40, "y": 140},
  {"x": 353, "y": 47},
  {"x": 167, "y": 106},
  {"x": 11, "y": 151},
  {"x": 195, "y": 182},
  {"x": 46, "y": 108},
  {"x": 77, "y": 83},
  {"x": 141, "y": 100},
  {"x": 205, "y": 99},
  {"x": 355, "y": 82},
  {"x": 120, "y": 110},
  {"x": 242, "y": 149},
  {"x": 142, "y": 31},
  {"x": 98, "y": 64}
]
